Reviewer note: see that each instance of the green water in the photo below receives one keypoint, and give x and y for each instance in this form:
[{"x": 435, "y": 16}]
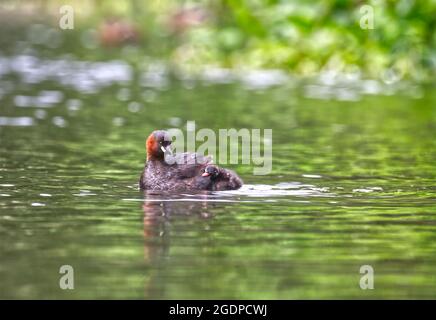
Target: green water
[{"x": 352, "y": 184}]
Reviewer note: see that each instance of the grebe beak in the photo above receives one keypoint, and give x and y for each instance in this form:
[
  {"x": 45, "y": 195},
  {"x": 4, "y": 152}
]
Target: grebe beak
[
  {"x": 166, "y": 150},
  {"x": 205, "y": 174}
]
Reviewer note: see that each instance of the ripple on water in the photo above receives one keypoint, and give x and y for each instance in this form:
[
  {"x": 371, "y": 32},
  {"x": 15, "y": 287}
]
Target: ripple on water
[
  {"x": 84, "y": 193},
  {"x": 281, "y": 189},
  {"x": 247, "y": 193},
  {"x": 367, "y": 190},
  {"x": 312, "y": 176},
  {"x": 86, "y": 77},
  {"x": 37, "y": 204},
  {"x": 17, "y": 121},
  {"x": 45, "y": 99}
]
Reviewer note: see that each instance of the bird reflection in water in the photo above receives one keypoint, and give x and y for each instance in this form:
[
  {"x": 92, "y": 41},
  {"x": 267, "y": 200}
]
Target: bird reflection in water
[{"x": 160, "y": 210}]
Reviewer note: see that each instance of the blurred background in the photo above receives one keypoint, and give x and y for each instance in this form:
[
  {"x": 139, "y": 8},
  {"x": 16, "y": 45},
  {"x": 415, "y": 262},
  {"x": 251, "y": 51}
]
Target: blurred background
[
  {"x": 353, "y": 113},
  {"x": 301, "y": 37}
]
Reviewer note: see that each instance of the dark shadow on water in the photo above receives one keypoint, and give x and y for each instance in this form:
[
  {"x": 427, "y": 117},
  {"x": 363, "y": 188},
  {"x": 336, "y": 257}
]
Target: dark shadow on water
[{"x": 160, "y": 210}]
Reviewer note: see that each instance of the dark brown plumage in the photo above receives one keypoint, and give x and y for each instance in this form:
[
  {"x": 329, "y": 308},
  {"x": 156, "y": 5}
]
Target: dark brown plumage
[{"x": 182, "y": 172}]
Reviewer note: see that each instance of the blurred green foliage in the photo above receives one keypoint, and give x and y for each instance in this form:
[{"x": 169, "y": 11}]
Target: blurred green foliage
[
  {"x": 310, "y": 36},
  {"x": 301, "y": 36}
]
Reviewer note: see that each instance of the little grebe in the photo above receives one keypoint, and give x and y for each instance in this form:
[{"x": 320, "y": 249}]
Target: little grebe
[
  {"x": 165, "y": 171},
  {"x": 222, "y": 179}
]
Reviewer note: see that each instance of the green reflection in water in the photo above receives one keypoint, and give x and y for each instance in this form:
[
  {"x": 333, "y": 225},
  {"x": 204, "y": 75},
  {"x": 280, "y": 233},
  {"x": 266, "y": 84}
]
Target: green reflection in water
[{"x": 352, "y": 184}]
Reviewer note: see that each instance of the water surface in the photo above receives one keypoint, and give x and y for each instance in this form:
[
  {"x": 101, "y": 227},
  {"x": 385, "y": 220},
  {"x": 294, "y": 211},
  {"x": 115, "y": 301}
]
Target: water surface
[{"x": 353, "y": 183}]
